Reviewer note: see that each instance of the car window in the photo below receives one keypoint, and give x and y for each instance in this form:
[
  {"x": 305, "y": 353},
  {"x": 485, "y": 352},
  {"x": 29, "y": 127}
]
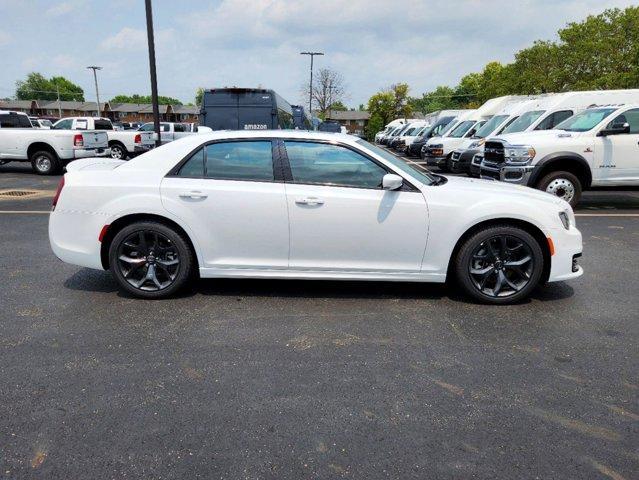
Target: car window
[
  {"x": 239, "y": 161},
  {"x": 7, "y": 121},
  {"x": 147, "y": 127},
  {"x": 524, "y": 121},
  {"x": 178, "y": 127},
  {"x": 164, "y": 127},
  {"x": 631, "y": 117},
  {"x": 327, "y": 164},
  {"x": 553, "y": 119},
  {"x": 81, "y": 124},
  {"x": 103, "y": 125},
  {"x": 194, "y": 166},
  {"x": 63, "y": 124}
]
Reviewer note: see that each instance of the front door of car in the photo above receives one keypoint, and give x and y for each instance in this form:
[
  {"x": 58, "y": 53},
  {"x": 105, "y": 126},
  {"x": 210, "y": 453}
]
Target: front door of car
[
  {"x": 232, "y": 198},
  {"x": 340, "y": 217},
  {"x": 617, "y": 156}
]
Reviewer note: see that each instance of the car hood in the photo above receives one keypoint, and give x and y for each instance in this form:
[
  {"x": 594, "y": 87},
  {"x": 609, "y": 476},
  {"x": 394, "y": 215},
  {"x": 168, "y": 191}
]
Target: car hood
[
  {"x": 483, "y": 188},
  {"x": 525, "y": 138}
]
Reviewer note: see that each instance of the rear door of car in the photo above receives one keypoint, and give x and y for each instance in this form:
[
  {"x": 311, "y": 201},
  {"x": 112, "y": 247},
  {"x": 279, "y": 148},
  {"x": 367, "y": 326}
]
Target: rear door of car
[{"x": 232, "y": 196}]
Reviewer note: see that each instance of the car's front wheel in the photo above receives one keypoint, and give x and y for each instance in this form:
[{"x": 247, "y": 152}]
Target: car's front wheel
[
  {"x": 499, "y": 265},
  {"x": 151, "y": 259}
]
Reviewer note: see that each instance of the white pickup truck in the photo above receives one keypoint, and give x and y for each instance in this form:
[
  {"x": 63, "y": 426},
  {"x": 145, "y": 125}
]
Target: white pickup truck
[
  {"x": 597, "y": 147},
  {"x": 170, "y": 131},
  {"x": 47, "y": 150},
  {"x": 123, "y": 143}
]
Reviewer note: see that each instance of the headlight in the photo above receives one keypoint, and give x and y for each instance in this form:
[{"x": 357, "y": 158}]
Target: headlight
[
  {"x": 477, "y": 144},
  {"x": 519, "y": 155},
  {"x": 565, "y": 219}
]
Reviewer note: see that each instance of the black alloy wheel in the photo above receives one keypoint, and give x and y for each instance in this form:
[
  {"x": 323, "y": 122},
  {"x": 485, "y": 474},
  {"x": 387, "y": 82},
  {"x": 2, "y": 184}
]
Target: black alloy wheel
[
  {"x": 500, "y": 264},
  {"x": 150, "y": 260}
]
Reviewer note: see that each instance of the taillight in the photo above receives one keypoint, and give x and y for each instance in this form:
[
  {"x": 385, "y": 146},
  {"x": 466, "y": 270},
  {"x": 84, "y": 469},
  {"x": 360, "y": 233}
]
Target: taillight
[
  {"x": 78, "y": 141},
  {"x": 57, "y": 193},
  {"x": 138, "y": 138}
]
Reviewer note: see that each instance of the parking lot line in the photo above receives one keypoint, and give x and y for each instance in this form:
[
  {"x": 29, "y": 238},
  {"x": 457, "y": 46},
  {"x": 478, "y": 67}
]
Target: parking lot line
[
  {"x": 606, "y": 214},
  {"x": 25, "y": 211}
]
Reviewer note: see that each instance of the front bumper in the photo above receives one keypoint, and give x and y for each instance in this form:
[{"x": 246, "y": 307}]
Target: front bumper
[
  {"x": 461, "y": 159},
  {"x": 474, "y": 169},
  {"x": 507, "y": 173},
  {"x": 435, "y": 161},
  {"x": 568, "y": 249},
  {"x": 91, "y": 152}
]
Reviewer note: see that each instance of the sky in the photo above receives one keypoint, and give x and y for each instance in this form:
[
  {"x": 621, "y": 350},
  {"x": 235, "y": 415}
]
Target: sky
[{"x": 251, "y": 43}]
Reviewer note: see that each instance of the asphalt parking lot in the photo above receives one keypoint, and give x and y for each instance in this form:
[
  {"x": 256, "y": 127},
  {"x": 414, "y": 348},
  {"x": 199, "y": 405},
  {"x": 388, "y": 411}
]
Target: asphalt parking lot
[{"x": 288, "y": 379}]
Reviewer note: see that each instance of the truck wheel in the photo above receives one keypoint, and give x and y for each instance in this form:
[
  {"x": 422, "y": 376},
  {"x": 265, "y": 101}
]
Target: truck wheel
[
  {"x": 564, "y": 185},
  {"x": 118, "y": 152},
  {"x": 45, "y": 163}
]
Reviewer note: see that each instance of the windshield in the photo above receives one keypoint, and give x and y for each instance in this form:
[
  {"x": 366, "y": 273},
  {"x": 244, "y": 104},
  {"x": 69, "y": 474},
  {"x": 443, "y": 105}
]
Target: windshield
[
  {"x": 490, "y": 126},
  {"x": 420, "y": 175},
  {"x": 449, "y": 126},
  {"x": 586, "y": 120},
  {"x": 462, "y": 128},
  {"x": 524, "y": 121}
]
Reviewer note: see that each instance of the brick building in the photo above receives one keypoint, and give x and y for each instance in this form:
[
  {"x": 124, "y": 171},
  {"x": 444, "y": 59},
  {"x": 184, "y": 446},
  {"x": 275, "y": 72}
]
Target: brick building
[
  {"x": 355, "y": 121},
  {"x": 123, "y": 112}
]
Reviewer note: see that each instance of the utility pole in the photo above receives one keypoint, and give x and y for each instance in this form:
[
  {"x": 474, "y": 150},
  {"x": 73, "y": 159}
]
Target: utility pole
[
  {"x": 154, "y": 78},
  {"x": 310, "y": 85},
  {"x": 95, "y": 78},
  {"x": 57, "y": 88}
]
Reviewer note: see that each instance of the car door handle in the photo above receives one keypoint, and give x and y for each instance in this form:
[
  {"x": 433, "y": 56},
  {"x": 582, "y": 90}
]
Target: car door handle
[
  {"x": 195, "y": 195},
  {"x": 309, "y": 201}
]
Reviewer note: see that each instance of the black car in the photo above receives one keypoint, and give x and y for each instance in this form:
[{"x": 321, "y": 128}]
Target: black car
[
  {"x": 415, "y": 148},
  {"x": 460, "y": 160}
]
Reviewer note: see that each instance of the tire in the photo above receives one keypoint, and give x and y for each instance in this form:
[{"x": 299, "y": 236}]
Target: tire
[
  {"x": 498, "y": 275},
  {"x": 563, "y": 185},
  {"x": 160, "y": 260},
  {"x": 118, "y": 151},
  {"x": 44, "y": 162}
]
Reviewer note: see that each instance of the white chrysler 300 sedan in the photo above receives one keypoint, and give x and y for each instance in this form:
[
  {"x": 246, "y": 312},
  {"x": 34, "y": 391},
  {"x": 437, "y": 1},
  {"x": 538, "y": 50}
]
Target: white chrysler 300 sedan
[{"x": 303, "y": 205}]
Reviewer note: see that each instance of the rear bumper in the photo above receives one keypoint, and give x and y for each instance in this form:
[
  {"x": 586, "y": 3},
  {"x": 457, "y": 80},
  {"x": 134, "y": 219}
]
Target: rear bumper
[
  {"x": 91, "y": 152},
  {"x": 73, "y": 236},
  {"x": 140, "y": 149}
]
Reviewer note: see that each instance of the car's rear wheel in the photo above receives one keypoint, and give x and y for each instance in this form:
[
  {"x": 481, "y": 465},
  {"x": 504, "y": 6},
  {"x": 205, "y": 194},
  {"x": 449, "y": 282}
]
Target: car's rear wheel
[
  {"x": 118, "y": 152},
  {"x": 151, "y": 260},
  {"x": 561, "y": 184},
  {"x": 499, "y": 265},
  {"x": 45, "y": 163}
]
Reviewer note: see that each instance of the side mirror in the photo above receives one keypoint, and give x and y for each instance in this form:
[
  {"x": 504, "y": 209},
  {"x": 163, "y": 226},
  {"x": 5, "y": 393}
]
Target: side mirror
[
  {"x": 390, "y": 181},
  {"x": 615, "y": 130}
]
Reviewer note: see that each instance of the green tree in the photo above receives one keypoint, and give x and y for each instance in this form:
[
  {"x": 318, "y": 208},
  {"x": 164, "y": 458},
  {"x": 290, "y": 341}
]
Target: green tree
[
  {"x": 374, "y": 125},
  {"x": 382, "y": 105},
  {"x": 199, "y": 95},
  {"x": 37, "y": 87},
  {"x": 338, "y": 107},
  {"x": 135, "y": 98},
  {"x": 602, "y": 51}
]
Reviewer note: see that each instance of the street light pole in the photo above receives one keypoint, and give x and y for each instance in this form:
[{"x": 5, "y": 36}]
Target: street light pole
[
  {"x": 310, "y": 85},
  {"x": 154, "y": 78},
  {"x": 95, "y": 79}
]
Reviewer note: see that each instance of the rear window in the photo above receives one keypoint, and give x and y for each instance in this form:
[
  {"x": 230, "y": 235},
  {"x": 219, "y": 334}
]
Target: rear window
[{"x": 103, "y": 125}]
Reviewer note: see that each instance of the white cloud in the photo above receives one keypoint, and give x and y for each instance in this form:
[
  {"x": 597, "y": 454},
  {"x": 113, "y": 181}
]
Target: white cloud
[
  {"x": 63, "y": 8},
  {"x": 135, "y": 39}
]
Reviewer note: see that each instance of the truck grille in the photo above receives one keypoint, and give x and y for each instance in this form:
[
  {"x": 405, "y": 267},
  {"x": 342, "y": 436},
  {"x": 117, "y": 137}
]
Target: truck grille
[{"x": 494, "y": 152}]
